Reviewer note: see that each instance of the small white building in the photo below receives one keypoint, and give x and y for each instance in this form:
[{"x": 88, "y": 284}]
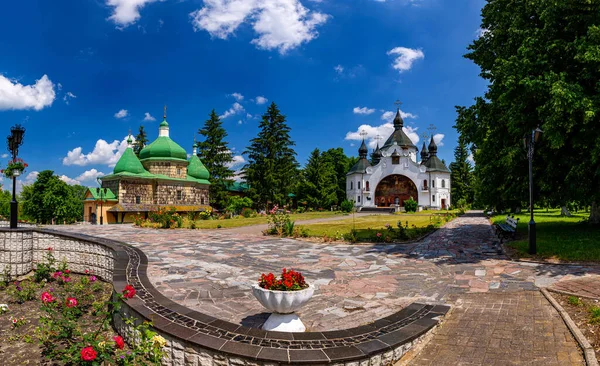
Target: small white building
[{"x": 396, "y": 175}]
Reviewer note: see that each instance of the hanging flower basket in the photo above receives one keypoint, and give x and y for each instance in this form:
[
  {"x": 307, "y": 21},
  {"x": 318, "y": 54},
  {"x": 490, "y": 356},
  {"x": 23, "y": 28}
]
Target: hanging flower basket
[{"x": 14, "y": 168}]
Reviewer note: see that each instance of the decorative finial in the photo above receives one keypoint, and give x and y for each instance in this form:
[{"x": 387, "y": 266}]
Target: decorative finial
[
  {"x": 165, "y": 115},
  {"x": 363, "y": 133},
  {"x": 431, "y": 129},
  {"x": 398, "y": 103}
]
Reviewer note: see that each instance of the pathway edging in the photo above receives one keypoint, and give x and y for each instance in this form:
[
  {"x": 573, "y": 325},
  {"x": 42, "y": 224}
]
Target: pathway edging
[
  {"x": 562, "y": 292},
  {"x": 588, "y": 350}
]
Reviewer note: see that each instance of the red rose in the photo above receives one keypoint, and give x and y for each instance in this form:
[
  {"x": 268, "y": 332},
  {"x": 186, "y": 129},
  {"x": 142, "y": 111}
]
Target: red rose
[
  {"x": 67, "y": 271},
  {"x": 71, "y": 302},
  {"x": 49, "y": 248},
  {"x": 88, "y": 354},
  {"x": 128, "y": 292},
  {"x": 119, "y": 342},
  {"x": 47, "y": 297}
]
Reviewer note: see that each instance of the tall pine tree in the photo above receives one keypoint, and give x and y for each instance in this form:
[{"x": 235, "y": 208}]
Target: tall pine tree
[
  {"x": 319, "y": 182},
  {"x": 140, "y": 141},
  {"x": 461, "y": 174},
  {"x": 341, "y": 165},
  {"x": 216, "y": 156},
  {"x": 271, "y": 171}
]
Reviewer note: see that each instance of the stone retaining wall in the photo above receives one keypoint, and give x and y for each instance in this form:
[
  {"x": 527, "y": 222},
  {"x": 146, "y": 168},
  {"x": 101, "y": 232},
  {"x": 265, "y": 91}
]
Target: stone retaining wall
[{"x": 194, "y": 338}]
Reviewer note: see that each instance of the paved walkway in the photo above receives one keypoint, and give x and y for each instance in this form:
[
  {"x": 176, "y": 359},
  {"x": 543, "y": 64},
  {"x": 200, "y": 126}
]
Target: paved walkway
[
  {"x": 586, "y": 286},
  {"x": 519, "y": 328}
]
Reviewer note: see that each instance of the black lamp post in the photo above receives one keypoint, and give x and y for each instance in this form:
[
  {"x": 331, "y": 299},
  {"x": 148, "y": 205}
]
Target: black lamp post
[
  {"x": 102, "y": 193},
  {"x": 529, "y": 140},
  {"x": 14, "y": 141}
]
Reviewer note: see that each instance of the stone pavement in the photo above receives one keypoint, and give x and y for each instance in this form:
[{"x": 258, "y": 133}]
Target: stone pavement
[
  {"x": 586, "y": 286},
  {"x": 212, "y": 271},
  {"x": 517, "y": 328}
]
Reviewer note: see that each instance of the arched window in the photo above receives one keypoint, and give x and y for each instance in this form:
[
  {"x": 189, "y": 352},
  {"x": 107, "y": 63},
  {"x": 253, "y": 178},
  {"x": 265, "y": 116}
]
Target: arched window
[
  {"x": 367, "y": 186},
  {"x": 433, "y": 198},
  {"x": 358, "y": 199},
  {"x": 433, "y": 183},
  {"x": 425, "y": 184},
  {"x": 359, "y": 184},
  {"x": 443, "y": 183},
  {"x": 351, "y": 185}
]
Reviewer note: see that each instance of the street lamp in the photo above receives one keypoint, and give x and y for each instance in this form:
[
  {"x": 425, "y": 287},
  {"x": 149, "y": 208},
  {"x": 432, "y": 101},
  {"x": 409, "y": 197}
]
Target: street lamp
[
  {"x": 14, "y": 141},
  {"x": 102, "y": 193},
  {"x": 529, "y": 141}
]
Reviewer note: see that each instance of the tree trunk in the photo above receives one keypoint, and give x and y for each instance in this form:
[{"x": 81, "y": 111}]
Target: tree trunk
[
  {"x": 595, "y": 213},
  {"x": 564, "y": 211}
]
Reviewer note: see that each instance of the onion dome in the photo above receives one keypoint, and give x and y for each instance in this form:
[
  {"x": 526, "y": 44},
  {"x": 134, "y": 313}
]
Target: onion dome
[
  {"x": 398, "y": 121},
  {"x": 196, "y": 169},
  {"x": 432, "y": 147},
  {"x": 398, "y": 136},
  {"x": 424, "y": 153},
  {"x": 363, "y": 151},
  {"x": 163, "y": 147},
  {"x": 376, "y": 156},
  {"x": 433, "y": 163},
  {"x": 129, "y": 163}
]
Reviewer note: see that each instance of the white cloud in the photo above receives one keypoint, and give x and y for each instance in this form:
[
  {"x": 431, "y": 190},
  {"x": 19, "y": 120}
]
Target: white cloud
[
  {"x": 68, "y": 180},
  {"x": 481, "y": 32},
  {"x": 237, "y": 161},
  {"x": 148, "y": 117},
  {"x": 4, "y": 156},
  {"x": 126, "y": 12},
  {"x": 31, "y": 177},
  {"x": 67, "y": 97},
  {"x": 122, "y": 113},
  {"x": 235, "y": 108},
  {"x": 239, "y": 97},
  {"x": 279, "y": 24},
  {"x": 471, "y": 159},
  {"x": 363, "y": 110},
  {"x": 14, "y": 95},
  {"x": 438, "y": 137},
  {"x": 389, "y": 115},
  {"x": 89, "y": 176},
  {"x": 405, "y": 57},
  {"x": 104, "y": 153},
  {"x": 261, "y": 100},
  {"x": 383, "y": 131},
  {"x": 339, "y": 69},
  {"x": 240, "y": 122},
  {"x": 352, "y": 72}
]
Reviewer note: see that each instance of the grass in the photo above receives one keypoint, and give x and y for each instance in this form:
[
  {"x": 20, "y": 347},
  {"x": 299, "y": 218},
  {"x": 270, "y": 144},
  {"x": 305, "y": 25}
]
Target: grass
[
  {"x": 258, "y": 220},
  {"x": 367, "y": 227},
  {"x": 558, "y": 237},
  {"x": 574, "y": 300}
]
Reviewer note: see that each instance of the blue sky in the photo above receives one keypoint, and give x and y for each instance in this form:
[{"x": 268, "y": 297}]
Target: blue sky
[{"x": 79, "y": 74}]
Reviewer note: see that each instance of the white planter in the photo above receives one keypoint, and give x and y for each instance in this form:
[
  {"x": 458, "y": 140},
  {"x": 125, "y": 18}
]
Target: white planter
[{"x": 283, "y": 304}]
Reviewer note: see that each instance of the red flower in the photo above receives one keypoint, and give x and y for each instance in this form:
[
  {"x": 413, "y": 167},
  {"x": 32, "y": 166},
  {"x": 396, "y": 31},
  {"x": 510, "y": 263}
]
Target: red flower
[
  {"x": 88, "y": 354},
  {"x": 47, "y": 298},
  {"x": 49, "y": 248},
  {"x": 71, "y": 302},
  {"x": 128, "y": 292},
  {"x": 119, "y": 342},
  {"x": 67, "y": 271},
  {"x": 87, "y": 271}
]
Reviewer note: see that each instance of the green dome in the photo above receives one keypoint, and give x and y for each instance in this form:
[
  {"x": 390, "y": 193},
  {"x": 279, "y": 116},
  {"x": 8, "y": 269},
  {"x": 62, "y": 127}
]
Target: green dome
[
  {"x": 163, "y": 147},
  {"x": 129, "y": 163},
  {"x": 196, "y": 169}
]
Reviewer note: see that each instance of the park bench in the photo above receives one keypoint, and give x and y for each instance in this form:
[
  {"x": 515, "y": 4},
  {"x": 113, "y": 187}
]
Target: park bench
[{"x": 507, "y": 229}]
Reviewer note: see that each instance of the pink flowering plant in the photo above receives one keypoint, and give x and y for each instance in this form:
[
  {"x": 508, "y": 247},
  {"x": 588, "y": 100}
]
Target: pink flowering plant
[
  {"x": 279, "y": 222},
  {"x": 13, "y": 166}
]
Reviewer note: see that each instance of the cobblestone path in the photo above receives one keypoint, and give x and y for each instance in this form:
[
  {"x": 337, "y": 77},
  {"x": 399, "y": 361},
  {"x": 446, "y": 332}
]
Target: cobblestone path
[
  {"x": 517, "y": 328},
  {"x": 212, "y": 271}
]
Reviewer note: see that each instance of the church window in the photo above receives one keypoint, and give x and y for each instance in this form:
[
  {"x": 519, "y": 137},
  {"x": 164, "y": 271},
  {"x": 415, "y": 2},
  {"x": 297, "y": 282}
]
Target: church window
[
  {"x": 395, "y": 160},
  {"x": 367, "y": 186},
  {"x": 425, "y": 184},
  {"x": 358, "y": 184},
  {"x": 443, "y": 183},
  {"x": 202, "y": 200},
  {"x": 138, "y": 199},
  {"x": 433, "y": 198},
  {"x": 433, "y": 183},
  {"x": 351, "y": 185},
  {"x": 359, "y": 199},
  {"x": 179, "y": 195},
  {"x": 178, "y": 171}
]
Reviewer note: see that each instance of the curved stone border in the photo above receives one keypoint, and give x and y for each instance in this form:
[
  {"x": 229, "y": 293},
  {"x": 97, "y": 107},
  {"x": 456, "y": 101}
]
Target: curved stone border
[
  {"x": 588, "y": 350},
  {"x": 197, "y": 338}
]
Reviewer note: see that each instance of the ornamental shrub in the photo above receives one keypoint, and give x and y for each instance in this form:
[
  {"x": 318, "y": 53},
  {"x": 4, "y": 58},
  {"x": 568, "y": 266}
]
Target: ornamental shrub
[
  {"x": 167, "y": 217},
  {"x": 410, "y": 205},
  {"x": 44, "y": 270},
  {"x": 347, "y": 206},
  {"x": 248, "y": 212}
]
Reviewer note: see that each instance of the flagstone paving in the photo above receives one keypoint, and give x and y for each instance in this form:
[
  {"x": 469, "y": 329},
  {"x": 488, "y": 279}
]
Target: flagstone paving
[{"x": 212, "y": 271}]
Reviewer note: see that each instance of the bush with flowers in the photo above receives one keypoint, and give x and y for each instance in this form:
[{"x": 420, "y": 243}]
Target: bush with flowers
[
  {"x": 167, "y": 217},
  {"x": 289, "y": 280},
  {"x": 13, "y": 166},
  {"x": 279, "y": 223}
]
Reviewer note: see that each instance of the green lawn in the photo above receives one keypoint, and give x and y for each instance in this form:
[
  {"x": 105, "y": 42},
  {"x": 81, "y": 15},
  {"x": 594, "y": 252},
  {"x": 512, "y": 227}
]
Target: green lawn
[
  {"x": 242, "y": 221},
  {"x": 563, "y": 238},
  {"x": 367, "y": 227}
]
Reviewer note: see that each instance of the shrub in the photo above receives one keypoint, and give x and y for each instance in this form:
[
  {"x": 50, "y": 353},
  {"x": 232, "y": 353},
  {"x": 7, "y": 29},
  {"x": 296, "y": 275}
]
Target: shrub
[
  {"x": 300, "y": 210},
  {"x": 347, "y": 206},
  {"x": 44, "y": 270},
  {"x": 462, "y": 205},
  {"x": 248, "y": 212},
  {"x": 574, "y": 300},
  {"x": 352, "y": 236},
  {"x": 193, "y": 215},
  {"x": 279, "y": 223},
  {"x": 167, "y": 217},
  {"x": 410, "y": 205},
  {"x": 23, "y": 291},
  {"x": 205, "y": 215},
  {"x": 235, "y": 204}
]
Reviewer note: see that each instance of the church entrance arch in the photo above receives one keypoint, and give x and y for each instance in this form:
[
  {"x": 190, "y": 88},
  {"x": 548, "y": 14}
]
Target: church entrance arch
[{"x": 395, "y": 189}]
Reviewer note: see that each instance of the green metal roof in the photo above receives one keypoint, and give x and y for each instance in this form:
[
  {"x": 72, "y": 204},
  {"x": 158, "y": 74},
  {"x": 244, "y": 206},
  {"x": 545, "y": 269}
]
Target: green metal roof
[
  {"x": 129, "y": 163},
  {"x": 163, "y": 147},
  {"x": 237, "y": 187},
  {"x": 196, "y": 169},
  {"x": 360, "y": 167},
  {"x": 164, "y": 122},
  {"x": 108, "y": 196},
  {"x": 434, "y": 164},
  {"x": 155, "y": 177}
]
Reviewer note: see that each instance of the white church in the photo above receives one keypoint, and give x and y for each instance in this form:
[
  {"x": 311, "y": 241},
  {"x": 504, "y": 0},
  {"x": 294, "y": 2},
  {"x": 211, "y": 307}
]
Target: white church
[{"x": 396, "y": 175}]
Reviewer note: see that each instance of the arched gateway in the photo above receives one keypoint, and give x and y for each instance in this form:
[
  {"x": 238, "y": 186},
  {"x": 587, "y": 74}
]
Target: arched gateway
[{"x": 395, "y": 189}]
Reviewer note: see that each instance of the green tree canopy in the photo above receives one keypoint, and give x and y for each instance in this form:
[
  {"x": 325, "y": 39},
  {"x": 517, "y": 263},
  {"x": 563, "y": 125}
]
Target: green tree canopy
[
  {"x": 141, "y": 140},
  {"x": 318, "y": 186},
  {"x": 542, "y": 61},
  {"x": 461, "y": 174},
  {"x": 217, "y": 157},
  {"x": 271, "y": 171}
]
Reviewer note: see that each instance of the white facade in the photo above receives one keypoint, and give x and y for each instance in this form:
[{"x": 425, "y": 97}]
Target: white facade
[{"x": 398, "y": 176}]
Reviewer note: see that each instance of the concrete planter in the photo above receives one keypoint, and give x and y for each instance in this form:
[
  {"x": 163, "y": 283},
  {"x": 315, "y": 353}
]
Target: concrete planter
[{"x": 283, "y": 304}]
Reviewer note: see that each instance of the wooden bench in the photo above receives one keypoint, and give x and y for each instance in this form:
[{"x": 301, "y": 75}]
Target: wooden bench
[{"x": 507, "y": 229}]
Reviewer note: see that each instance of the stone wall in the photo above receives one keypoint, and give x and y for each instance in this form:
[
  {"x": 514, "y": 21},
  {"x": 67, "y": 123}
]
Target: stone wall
[
  {"x": 172, "y": 169},
  {"x": 130, "y": 189},
  {"x": 191, "y": 194},
  {"x": 113, "y": 185}
]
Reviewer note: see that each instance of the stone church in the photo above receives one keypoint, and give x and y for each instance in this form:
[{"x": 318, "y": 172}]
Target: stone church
[
  {"x": 396, "y": 175},
  {"x": 162, "y": 176}
]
